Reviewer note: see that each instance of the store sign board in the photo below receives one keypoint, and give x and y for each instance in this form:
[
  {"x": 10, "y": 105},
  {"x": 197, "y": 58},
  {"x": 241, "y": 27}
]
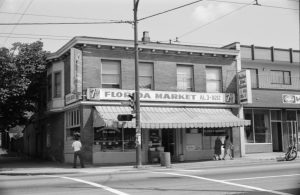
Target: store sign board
[
  {"x": 76, "y": 71},
  {"x": 244, "y": 85},
  {"x": 70, "y": 98},
  {"x": 116, "y": 94},
  {"x": 290, "y": 99}
]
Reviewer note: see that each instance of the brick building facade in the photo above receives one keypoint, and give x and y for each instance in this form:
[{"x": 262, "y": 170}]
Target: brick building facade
[{"x": 188, "y": 98}]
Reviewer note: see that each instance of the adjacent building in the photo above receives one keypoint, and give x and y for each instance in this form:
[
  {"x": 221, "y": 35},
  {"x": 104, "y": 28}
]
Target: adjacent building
[{"x": 275, "y": 108}]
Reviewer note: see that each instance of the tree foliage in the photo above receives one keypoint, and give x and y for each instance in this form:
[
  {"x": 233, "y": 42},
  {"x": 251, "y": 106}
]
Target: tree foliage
[{"x": 22, "y": 75}]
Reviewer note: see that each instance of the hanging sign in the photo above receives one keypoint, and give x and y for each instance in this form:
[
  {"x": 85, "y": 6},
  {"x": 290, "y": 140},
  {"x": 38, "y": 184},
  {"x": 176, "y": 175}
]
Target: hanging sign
[{"x": 244, "y": 86}]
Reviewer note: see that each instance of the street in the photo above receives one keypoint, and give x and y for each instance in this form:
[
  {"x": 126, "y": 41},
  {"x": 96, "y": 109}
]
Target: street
[{"x": 272, "y": 178}]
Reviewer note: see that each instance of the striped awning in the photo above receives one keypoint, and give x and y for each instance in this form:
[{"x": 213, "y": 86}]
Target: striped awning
[{"x": 168, "y": 117}]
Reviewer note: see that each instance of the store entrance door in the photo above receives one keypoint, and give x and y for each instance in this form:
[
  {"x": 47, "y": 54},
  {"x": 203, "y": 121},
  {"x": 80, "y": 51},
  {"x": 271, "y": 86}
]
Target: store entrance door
[
  {"x": 169, "y": 140},
  {"x": 277, "y": 136}
]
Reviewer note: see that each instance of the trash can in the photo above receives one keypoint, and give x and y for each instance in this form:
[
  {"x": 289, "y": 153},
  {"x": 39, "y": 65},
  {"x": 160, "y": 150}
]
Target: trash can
[{"x": 165, "y": 159}]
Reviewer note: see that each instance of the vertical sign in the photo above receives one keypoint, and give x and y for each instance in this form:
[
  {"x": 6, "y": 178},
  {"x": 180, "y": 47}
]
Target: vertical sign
[
  {"x": 244, "y": 86},
  {"x": 75, "y": 76}
]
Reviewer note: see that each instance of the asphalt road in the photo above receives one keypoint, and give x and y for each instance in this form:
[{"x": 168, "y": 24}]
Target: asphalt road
[{"x": 275, "y": 178}]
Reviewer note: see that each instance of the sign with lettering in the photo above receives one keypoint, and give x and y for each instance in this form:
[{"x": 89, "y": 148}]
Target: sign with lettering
[
  {"x": 70, "y": 98},
  {"x": 244, "y": 84},
  {"x": 290, "y": 99},
  {"x": 117, "y": 94}
]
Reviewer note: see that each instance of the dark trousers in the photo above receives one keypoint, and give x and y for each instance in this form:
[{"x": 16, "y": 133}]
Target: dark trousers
[{"x": 78, "y": 153}]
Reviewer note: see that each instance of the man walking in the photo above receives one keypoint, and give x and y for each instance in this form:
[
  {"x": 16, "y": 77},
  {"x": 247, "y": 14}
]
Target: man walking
[{"x": 76, "y": 145}]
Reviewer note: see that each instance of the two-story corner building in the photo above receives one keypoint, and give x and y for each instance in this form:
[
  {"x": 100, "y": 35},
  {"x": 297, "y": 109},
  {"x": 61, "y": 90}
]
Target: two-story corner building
[
  {"x": 188, "y": 98},
  {"x": 275, "y": 108}
]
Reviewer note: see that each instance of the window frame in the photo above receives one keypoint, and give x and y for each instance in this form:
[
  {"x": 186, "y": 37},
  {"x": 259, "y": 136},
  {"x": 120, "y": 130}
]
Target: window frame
[
  {"x": 146, "y": 76},
  {"x": 118, "y": 85},
  {"x": 192, "y": 82},
  {"x": 256, "y": 77},
  {"x": 283, "y": 77},
  {"x": 55, "y": 87},
  {"x": 210, "y": 80}
]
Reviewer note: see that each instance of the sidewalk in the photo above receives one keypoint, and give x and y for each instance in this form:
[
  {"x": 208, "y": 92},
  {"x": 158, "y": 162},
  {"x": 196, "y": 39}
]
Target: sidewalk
[{"x": 14, "y": 165}]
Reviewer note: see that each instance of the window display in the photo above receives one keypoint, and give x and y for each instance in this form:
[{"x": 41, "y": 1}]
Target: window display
[{"x": 113, "y": 139}]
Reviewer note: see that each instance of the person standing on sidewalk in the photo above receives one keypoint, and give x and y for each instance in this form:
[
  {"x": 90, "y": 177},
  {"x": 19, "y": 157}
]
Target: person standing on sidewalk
[
  {"x": 218, "y": 146},
  {"x": 76, "y": 145},
  {"x": 228, "y": 146}
]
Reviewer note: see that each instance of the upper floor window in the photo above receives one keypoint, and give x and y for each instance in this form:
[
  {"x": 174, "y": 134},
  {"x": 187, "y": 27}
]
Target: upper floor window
[
  {"x": 213, "y": 80},
  {"x": 146, "y": 75},
  {"x": 280, "y": 77},
  {"x": 110, "y": 73},
  {"x": 49, "y": 87},
  {"x": 184, "y": 78},
  {"x": 57, "y": 85},
  {"x": 254, "y": 77}
]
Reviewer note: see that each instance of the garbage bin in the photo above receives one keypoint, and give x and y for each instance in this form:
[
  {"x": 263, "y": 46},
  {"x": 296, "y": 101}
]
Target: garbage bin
[{"x": 165, "y": 159}]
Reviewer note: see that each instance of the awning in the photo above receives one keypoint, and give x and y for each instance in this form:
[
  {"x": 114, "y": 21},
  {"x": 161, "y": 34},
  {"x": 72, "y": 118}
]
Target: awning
[{"x": 168, "y": 117}]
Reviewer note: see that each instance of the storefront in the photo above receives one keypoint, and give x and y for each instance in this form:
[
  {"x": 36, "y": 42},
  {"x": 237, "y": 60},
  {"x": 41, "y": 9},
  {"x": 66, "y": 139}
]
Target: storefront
[{"x": 184, "y": 124}]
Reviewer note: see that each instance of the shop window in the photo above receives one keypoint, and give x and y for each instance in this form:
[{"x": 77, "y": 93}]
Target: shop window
[
  {"x": 57, "y": 85},
  {"x": 281, "y": 77},
  {"x": 213, "y": 80},
  {"x": 73, "y": 122},
  {"x": 249, "y": 135},
  {"x": 184, "y": 78},
  {"x": 259, "y": 131},
  {"x": 113, "y": 139},
  {"x": 291, "y": 115},
  {"x": 49, "y": 87},
  {"x": 110, "y": 73},
  {"x": 146, "y": 75},
  {"x": 276, "y": 115}
]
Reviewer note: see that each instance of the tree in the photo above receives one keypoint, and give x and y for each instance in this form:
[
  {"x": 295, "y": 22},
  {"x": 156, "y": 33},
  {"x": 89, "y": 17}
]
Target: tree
[{"x": 23, "y": 78}]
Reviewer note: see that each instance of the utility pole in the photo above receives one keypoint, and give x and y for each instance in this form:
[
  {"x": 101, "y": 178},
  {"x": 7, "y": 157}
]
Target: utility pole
[{"x": 138, "y": 133}]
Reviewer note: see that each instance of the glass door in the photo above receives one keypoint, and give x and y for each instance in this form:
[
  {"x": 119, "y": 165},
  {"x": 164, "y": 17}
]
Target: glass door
[
  {"x": 169, "y": 140},
  {"x": 277, "y": 136}
]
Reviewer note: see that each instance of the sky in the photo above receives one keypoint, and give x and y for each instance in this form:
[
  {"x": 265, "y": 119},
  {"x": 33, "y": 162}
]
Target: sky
[{"x": 212, "y": 23}]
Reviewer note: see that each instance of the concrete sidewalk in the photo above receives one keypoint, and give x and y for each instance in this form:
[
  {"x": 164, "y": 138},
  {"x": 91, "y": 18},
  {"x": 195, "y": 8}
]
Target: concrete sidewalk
[{"x": 16, "y": 165}]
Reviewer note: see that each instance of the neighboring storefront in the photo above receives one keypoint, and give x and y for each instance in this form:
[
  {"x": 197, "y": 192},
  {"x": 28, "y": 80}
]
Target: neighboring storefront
[{"x": 275, "y": 109}]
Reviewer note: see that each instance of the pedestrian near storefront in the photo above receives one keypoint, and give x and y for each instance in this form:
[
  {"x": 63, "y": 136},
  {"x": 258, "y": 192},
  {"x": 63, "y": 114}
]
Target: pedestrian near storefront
[
  {"x": 218, "y": 146},
  {"x": 76, "y": 145},
  {"x": 228, "y": 147}
]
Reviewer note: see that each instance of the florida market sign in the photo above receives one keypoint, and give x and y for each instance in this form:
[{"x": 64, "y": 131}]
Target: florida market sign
[{"x": 97, "y": 94}]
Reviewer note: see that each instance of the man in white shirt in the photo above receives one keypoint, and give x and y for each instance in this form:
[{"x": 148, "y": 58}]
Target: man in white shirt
[{"x": 76, "y": 145}]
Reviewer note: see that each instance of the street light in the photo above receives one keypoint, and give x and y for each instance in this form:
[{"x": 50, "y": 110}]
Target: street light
[{"x": 137, "y": 89}]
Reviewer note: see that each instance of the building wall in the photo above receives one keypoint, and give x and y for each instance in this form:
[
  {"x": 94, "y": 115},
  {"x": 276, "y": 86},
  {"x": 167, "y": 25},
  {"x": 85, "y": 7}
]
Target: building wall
[
  {"x": 164, "y": 68},
  {"x": 54, "y": 137}
]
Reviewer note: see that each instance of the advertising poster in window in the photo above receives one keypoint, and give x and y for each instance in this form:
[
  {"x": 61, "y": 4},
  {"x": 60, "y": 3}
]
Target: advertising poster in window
[{"x": 244, "y": 85}]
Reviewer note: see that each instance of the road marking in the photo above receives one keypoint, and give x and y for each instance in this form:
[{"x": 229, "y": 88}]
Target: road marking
[
  {"x": 248, "y": 178},
  {"x": 225, "y": 182},
  {"x": 92, "y": 184}
]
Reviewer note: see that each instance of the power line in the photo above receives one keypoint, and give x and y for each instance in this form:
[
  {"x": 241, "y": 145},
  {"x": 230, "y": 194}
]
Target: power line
[
  {"x": 53, "y": 16},
  {"x": 63, "y": 23},
  {"x": 163, "y": 12},
  {"x": 256, "y": 3},
  {"x": 195, "y": 29},
  {"x": 25, "y": 37},
  {"x": 43, "y": 35},
  {"x": 19, "y": 20}
]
